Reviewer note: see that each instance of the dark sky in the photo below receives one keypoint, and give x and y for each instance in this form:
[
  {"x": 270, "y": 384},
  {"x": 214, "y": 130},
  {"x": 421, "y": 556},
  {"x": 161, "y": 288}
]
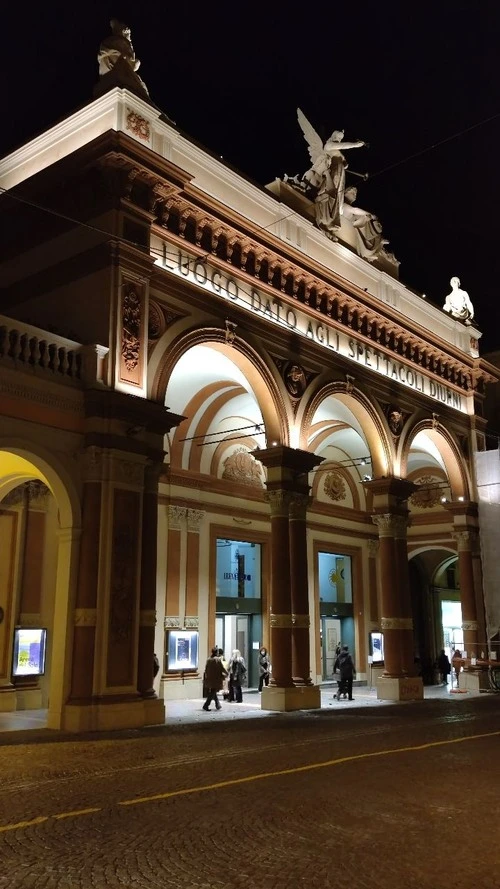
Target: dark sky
[{"x": 400, "y": 75}]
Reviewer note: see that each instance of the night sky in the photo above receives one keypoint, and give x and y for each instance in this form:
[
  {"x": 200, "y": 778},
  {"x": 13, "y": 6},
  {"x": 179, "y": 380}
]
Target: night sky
[{"x": 402, "y": 76}]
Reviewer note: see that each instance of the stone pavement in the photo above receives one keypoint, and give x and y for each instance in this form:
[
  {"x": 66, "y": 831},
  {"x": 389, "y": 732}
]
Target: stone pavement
[{"x": 188, "y": 712}]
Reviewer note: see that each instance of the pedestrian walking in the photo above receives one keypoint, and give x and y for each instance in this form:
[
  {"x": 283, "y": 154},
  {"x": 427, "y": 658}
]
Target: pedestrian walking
[
  {"x": 444, "y": 666},
  {"x": 457, "y": 666},
  {"x": 345, "y": 665},
  {"x": 264, "y": 668},
  {"x": 213, "y": 679},
  {"x": 237, "y": 673}
]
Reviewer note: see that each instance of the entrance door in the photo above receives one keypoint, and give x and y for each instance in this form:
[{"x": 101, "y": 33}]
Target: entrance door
[
  {"x": 330, "y": 638},
  {"x": 232, "y": 631}
]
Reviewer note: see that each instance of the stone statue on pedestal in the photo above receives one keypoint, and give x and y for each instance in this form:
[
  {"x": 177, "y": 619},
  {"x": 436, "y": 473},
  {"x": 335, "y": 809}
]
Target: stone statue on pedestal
[
  {"x": 458, "y": 304},
  {"x": 326, "y": 177},
  {"x": 369, "y": 242},
  {"x": 118, "y": 64}
]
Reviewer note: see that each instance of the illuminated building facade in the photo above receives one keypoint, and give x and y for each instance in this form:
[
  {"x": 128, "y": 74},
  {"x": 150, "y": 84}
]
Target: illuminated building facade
[{"x": 217, "y": 427}]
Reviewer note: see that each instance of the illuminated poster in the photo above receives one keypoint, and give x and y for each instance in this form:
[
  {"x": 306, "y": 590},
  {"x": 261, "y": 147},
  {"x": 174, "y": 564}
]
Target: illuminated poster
[
  {"x": 182, "y": 649},
  {"x": 29, "y": 652}
]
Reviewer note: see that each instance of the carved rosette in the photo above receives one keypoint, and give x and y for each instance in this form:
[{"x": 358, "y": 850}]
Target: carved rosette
[
  {"x": 281, "y": 621},
  {"x": 243, "y": 468},
  {"x": 279, "y": 501},
  {"x": 396, "y": 623},
  {"x": 131, "y": 334},
  {"x": 427, "y": 496},
  {"x": 334, "y": 486}
]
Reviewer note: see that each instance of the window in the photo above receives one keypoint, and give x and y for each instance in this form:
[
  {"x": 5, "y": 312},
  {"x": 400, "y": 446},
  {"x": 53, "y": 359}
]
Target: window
[
  {"x": 335, "y": 579},
  {"x": 238, "y": 569}
]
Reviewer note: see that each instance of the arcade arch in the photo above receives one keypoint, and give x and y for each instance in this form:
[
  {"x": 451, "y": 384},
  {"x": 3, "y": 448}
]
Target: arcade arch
[{"x": 39, "y": 537}]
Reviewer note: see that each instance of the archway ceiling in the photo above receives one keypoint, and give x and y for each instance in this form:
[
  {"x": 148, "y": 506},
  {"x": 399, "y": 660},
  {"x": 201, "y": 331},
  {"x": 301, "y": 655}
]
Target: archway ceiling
[
  {"x": 424, "y": 454},
  {"x": 14, "y": 470},
  {"x": 197, "y": 369},
  {"x": 334, "y": 409}
]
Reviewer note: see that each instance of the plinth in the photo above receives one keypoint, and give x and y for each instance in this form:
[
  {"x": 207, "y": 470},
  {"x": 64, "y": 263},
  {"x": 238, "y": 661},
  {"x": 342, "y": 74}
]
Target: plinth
[
  {"x": 409, "y": 688},
  {"x": 296, "y": 697}
]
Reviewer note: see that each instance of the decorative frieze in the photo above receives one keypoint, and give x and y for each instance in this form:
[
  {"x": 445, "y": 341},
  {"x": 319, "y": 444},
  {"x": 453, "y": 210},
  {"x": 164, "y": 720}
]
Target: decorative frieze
[
  {"x": 85, "y": 617},
  {"x": 472, "y": 625},
  {"x": 34, "y": 493},
  {"x": 396, "y": 623},
  {"x": 243, "y": 468},
  {"x": 191, "y": 623},
  {"x": 172, "y": 623},
  {"x": 281, "y": 621}
]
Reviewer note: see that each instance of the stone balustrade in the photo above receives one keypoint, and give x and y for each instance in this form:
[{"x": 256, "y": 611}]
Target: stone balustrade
[{"x": 29, "y": 348}]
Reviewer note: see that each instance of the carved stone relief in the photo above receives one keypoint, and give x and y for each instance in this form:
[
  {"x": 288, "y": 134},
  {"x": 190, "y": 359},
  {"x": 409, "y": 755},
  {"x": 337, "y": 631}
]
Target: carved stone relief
[
  {"x": 156, "y": 321},
  {"x": 334, "y": 486},
  {"x": 429, "y": 495},
  {"x": 131, "y": 334},
  {"x": 243, "y": 468},
  {"x": 138, "y": 125}
]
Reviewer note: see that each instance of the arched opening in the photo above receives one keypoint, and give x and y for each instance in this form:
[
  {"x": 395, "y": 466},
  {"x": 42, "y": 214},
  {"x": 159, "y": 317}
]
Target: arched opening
[
  {"x": 216, "y": 575},
  {"x": 38, "y": 540},
  {"x": 349, "y": 436}
]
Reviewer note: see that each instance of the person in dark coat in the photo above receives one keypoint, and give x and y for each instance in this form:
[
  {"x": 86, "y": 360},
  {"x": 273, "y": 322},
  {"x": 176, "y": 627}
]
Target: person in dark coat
[
  {"x": 237, "y": 673},
  {"x": 213, "y": 679},
  {"x": 263, "y": 668},
  {"x": 345, "y": 665},
  {"x": 444, "y": 666}
]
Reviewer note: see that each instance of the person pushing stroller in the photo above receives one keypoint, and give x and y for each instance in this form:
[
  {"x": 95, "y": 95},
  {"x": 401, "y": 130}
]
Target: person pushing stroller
[{"x": 344, "y": 663}]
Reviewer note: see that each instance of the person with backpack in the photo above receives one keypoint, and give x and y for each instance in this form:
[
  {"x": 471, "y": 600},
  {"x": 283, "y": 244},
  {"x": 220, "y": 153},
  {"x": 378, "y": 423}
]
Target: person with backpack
[
  {"x": 237, "y": 673},
  {"x": 345, "y": 665}
]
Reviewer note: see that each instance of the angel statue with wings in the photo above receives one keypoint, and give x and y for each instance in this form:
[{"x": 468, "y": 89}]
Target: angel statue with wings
[{"x": 327, "y": 174}]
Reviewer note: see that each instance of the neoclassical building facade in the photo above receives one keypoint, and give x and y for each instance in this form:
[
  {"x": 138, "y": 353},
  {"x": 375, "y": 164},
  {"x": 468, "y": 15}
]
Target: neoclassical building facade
[{"x": 217, "y": 427}]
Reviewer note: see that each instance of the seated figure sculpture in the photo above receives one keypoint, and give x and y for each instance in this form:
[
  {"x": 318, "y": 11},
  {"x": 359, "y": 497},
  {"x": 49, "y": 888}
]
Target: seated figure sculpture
[
  {"x": 458, "y": 304},
  {"x": 116, "y": 56},
  {"x": 369, "y": 240}
]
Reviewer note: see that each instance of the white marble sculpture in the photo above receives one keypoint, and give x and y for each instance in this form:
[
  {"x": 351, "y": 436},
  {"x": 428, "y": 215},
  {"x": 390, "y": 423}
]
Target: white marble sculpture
[
  {"x": 327, "y": 174},
  {"x": 116, "y": 55},
  {"x": 369, "y": 241},
  {"x": 458, "y": 304}
]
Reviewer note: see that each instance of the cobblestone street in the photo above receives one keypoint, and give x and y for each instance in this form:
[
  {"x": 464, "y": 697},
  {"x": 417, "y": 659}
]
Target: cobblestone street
[{"x": 401, "y": 796}]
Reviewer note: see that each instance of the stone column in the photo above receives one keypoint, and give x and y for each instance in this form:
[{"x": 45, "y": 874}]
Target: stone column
[
  {"x": 398, "y": 681},
  {"x": 465, "y": 532},
  {"x": 288, "y": 495},
  {"x": 281, "y": 600},
  {"x": 147, "y": 614},
  {"x": 301, "y": 661},
  {"x": 465, "y": 543}
]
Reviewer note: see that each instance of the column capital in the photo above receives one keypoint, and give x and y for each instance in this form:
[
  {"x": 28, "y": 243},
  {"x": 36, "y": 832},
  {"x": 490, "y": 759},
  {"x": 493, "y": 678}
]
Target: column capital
[
  {"x": 467, "y": 539},
  {"x": 279, "y": 502},
  {"x": 176, "y": 517},
  {"x": 373, "y": 547},
  {"x": 194, "y": 520},
  {"x": 391, "y": 525},
  {"x": 298, "y": 506}
]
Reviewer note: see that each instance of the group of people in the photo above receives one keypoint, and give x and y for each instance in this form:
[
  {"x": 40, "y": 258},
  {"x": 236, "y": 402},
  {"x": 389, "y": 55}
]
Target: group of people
[
  {"x": 444, "y": 667},
  {"x": 345, "y": 665},
  {"x": 228, "y": 677}
]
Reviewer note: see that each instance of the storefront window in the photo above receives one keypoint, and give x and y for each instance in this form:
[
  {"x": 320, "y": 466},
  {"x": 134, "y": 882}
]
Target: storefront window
[
  {"x": 335, "y": 578},
  {"x": 238, "y": 569}
]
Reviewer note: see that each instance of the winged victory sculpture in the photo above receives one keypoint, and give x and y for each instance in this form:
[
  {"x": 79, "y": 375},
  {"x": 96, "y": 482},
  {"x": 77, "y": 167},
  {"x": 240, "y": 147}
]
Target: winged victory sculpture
[{"x": 326, "y": 177}]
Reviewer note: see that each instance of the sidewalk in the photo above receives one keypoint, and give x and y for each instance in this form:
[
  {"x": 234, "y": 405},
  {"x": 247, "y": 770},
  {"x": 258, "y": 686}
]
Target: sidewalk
[{"x": 189, "y": 712}]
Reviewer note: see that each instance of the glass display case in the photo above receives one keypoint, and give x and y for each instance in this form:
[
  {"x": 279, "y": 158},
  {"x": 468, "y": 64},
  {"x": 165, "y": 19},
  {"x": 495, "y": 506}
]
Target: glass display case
[
  {"x": 29, "y": 651},
  {"x": 181, "y": 650},
  {"x": 377, "y": 647}
]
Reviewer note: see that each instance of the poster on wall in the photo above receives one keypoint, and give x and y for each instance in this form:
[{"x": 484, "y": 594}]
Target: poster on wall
[
  {"x": 29, "y": 652},
  {"x": 377, "y": 647},
  {"x": 182, "y": 649}
]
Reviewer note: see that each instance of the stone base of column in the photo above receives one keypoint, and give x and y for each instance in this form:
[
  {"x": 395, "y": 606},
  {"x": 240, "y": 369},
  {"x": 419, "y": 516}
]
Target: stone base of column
[
  {"x": 8, "y": 700},
  {"x": 101, "y": 716},
  {"x": 297, "y": 697},
  {"x": 474, "y": 680},
  {"x": 410, "y": 688},
  {"x": 29, "y": 698}
]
